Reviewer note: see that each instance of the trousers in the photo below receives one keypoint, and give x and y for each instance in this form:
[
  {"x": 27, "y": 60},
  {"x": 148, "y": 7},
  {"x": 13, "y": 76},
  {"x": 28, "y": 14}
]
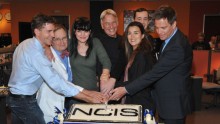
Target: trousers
[{"x": 25, "y": 110}]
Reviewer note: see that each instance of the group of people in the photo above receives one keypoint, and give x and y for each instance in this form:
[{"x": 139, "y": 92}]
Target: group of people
[
  {"x": 215, "y": 42},
  {"x": 201, "y": 44},
  {"x": 101, "y": 68}
]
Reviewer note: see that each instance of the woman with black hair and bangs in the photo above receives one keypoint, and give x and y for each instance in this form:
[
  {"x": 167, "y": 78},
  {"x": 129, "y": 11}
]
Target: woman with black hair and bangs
[{"x": 84, "y": 53}]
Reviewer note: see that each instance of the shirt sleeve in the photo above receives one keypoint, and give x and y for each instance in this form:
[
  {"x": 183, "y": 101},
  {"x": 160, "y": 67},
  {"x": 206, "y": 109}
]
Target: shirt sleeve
[
  {"x": 44, "y": 67},
  {"x": 101, "y": 54},
  {"x": 78, "y": 87}
]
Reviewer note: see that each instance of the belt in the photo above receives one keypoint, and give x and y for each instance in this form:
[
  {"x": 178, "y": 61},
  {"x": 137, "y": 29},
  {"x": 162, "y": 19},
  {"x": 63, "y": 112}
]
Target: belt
[{"x": 22, "y": 96}]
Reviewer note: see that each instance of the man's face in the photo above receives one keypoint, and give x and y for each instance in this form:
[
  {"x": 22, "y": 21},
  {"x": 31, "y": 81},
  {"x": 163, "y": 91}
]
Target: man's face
[
  {"x": 213, "y": 39},
  {"x": 45, "y": 34},
  {"x": 110, "y": 25},
  {"x": 60, "y": 40},
  {"x": 200, "y": 38},
  {"x": 142, "y": 17},
  {"x": 164, "y": 29}
]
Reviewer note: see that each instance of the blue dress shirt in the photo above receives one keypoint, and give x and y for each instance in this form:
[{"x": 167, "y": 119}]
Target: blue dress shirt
[
  {"x": 30, "y": 67},
  {"x": 168, "y": 39},
  {"x": 65, "y": 61}
]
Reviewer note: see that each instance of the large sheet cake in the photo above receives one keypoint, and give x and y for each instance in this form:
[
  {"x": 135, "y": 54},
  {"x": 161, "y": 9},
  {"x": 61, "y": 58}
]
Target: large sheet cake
[{"x": 101, "y": 113}]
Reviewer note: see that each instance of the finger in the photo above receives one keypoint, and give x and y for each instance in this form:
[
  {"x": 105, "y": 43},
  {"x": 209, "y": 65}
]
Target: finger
[
  {"x": 105, "y": 99},
  {"x": 110, "y": 94},
  {"x": 112, "y": 91},
  {"x": 106, "y": 91},
  {"x": 99, "y": 96},
  {"x": 102, "y": 88},
  {"x": 113, "y": 97},
  {"x": 102, "y": 96},
  {"x": 107, "y": 96},
  {"x": 98, "y": 100}
]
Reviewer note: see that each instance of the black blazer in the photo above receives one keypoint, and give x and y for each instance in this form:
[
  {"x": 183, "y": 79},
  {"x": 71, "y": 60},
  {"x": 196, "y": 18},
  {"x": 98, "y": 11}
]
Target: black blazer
[
  {"x": 142, "y": 63},
  {"x": 170, "y": 76}
]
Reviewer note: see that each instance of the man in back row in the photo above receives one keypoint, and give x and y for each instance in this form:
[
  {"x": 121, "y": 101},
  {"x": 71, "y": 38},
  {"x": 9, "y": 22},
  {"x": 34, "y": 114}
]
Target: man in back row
[
  {"x": 141, "y": 15},
  {"x": 31, "y": 67}
]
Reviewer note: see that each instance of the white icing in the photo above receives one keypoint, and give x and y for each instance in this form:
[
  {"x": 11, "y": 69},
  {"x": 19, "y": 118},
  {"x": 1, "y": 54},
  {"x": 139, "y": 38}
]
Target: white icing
[{"x": 105, "y": 113}]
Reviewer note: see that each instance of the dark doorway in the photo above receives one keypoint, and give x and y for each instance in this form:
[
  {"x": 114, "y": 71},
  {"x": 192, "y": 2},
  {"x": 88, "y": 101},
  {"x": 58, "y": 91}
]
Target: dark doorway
[
  {"x": 24, "y": 31},
  {"x": 211, "y": 25},
  {"x": 96, "y": 8}
]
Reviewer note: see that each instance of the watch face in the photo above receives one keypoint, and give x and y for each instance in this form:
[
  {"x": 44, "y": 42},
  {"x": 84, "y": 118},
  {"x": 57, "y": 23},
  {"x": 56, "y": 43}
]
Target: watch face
[{"x": 8, "y": 16}]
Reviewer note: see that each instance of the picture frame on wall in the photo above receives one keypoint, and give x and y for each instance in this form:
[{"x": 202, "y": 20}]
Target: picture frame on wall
[{"x": 128, "y": 18}]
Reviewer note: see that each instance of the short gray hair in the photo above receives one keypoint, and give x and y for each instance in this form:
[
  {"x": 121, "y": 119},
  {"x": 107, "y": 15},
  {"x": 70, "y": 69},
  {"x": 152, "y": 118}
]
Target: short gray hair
[{"x": 108, "y": 12}]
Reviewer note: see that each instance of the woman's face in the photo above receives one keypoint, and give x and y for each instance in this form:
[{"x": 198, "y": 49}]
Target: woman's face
[
  {"x": 82, "y": 36},
  {"x": 134, "y": 36}
]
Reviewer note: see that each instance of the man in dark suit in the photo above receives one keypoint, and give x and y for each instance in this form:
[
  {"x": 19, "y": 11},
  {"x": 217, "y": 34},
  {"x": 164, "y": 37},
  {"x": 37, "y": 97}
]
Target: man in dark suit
[{"x": 170, "y": 75}]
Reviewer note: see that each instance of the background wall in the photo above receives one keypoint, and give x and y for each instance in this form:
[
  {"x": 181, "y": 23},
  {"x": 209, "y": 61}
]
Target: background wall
[
  {"x": 197, "y": 11},
  {"x": 5, "y": 26},
  {"x": 190, "y": 12},
  {"x": 183, "y": 16},
  {"x": 19, "y": 11},
  {"x": 24, "y": 11}
]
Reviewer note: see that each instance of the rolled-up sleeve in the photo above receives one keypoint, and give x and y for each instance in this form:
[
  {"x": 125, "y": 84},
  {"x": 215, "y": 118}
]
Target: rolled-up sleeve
[
  {"x": 102, "y": 54},
  {"x": 52, "y": 78}
]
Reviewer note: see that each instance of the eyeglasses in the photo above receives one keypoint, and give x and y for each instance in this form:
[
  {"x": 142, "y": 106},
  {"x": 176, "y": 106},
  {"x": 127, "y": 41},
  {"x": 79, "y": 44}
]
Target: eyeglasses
[{"x": 60, "y": 39}]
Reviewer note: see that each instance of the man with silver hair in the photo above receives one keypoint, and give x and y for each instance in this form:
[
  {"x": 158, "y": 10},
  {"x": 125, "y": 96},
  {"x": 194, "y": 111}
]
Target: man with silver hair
[{"x": 113, "y": 46}]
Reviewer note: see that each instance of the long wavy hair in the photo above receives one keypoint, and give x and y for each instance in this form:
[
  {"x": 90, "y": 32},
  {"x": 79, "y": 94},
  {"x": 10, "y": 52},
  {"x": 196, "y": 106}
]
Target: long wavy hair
[
  {"x": 144, "y": 45},
  {"x": 82, "y": 24}
]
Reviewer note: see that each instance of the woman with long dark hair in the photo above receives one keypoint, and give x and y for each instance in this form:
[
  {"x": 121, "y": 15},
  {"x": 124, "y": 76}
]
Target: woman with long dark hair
[
  {"x": 140, "y": 60},
  {"x": 85, "y": 51}
]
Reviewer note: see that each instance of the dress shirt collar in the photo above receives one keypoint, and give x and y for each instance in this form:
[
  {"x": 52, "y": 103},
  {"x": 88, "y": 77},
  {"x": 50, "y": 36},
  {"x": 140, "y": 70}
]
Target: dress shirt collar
[
  {"x": 57, "y": 52},
  {"x": 168, "y": 39},
  {"x": 38, "y": 44}
]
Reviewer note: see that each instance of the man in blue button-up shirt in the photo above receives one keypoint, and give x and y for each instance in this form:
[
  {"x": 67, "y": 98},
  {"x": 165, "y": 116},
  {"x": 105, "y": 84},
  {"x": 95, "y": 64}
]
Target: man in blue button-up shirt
[{"x": 31, "y": 67}]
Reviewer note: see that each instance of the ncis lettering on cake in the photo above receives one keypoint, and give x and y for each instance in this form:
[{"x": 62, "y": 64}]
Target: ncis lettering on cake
[{"x": 99, "y": 113}]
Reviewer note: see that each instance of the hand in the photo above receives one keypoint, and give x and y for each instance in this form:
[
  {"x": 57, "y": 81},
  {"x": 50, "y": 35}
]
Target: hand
[
  {"x": 92, "y": 99},
  {"x": 117, "y": 93},
  {"x": 91, "y": 96},
  {"x": 107, "y": 86},
  {"x": 49, "y": 53}
]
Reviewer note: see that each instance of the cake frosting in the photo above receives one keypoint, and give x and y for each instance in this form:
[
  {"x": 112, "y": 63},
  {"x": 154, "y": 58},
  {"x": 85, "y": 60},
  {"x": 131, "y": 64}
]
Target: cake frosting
[{"x": 103, "y": 113}]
